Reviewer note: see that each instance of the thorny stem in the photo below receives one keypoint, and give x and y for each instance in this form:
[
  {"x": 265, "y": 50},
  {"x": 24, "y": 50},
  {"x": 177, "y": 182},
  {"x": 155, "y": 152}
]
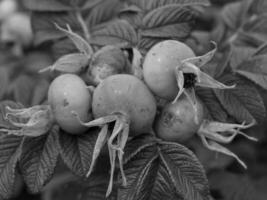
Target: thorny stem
[{"x": 83, "y": 26}]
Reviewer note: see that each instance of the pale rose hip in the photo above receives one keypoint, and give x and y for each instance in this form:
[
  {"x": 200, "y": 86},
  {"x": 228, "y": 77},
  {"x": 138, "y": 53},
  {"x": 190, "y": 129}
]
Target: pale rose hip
[{"x": 67, "y": 94}]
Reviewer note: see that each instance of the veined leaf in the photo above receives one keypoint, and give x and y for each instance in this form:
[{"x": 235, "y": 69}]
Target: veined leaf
[
  {"x": 10, "y": 151},
  {"x": 243, "y": 102},
  {"x": 161, "y": 170},
  {"x": 166, "y": 15},
  {"x": 171, "y": 21},
  {"x": 148, "y": 5},
  {"x": 39, "y": 158},
  {"x": 103, "y": 12},
  {"x": 211, "y": 102},
  {"x": 76, "y": 151},
  {"x": 118, "y": 31}
]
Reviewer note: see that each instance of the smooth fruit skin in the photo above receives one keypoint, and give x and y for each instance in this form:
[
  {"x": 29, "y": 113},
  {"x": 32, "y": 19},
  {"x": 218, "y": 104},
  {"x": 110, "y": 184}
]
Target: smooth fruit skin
[
  {"x": 176, "y": 122},
  {"x": 125, "y": 94},
  {"x": 68, "y": 93},
  {"x": 159, "y": 67}
]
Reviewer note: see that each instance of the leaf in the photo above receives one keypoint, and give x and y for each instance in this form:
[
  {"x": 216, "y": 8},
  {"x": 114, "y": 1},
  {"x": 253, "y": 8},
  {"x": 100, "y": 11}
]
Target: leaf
[
  {"x": 212, "y": 104},
  {"x": 148, "y": 5},
  {"x": 44, "y": 29},
  {"x": 63, "y": 47},
  {"x": 76, "y": 151},
  {"x": 255, "y": 70},
  {"x": 39, "y": 158},
  {"x": 231, "y": 15},
  {"x": 80, "y": 43},
  {"x": 39, "y": 94},
  {"x": 234, "y": 186},
  {"x": 259, "y": 6},
  {"x": 173, "y": 31},
  {"x": 93, "y": 188},
  {"x": 59, "y": 6},
  {"x": 171, "y": 21},
  {"x": 10, "y": 151},
  {"x": 69, "y": 63},
  {"x": 46, "y": 5},
  {"x": 118, "y": 31},
  {"x": 4, "y": 81},
  {"x": 162, "y": 170},
  {"x": 239, "y": 55},
  {"x": 22, "y": 88},
  {"x": 147, "y": 42},
  {"x": 243, "y": 102},
  {"x": 103, "y": 12}
]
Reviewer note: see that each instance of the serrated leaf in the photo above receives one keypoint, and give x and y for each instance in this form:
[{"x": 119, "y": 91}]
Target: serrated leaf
[
  {"x": 39, "y": 158},
  {"x": 186, "y": 172},
  {"x": 4, "y": 81},
  {"x": 44, "y": 28},
  {"x": 118, "y": 31},
  {"x": 103, "y": 12},
  {"x": 163, "y": 171},
  {"x": 208, "y": 98},
  {"x": 171, "y": 21},
  {"x": 148, "y": 5},
  {"x": 10, "y": 151},
  {"x": 70, "y": 63},
  {"x": 46, "y": 5},
  {"x": 147, "y": 42},
  {"x": 76, "y": 151},
  {"x": 39, "y": 94},
  {"x": 166, "y": 15},
  {"x": 243, "y": 102}
]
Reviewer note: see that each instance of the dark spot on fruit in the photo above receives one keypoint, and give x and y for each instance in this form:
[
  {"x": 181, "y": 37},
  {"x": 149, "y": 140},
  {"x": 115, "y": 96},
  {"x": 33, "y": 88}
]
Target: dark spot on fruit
[
  {"x": 167, "y": 118},
  {"x": 153, "y": 54},
  {"x": 189, "y": 80},
  {"x": 65, "y": 103}
]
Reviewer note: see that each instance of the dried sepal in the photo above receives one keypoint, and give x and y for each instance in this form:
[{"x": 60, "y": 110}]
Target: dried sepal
[{"x": 32, "y": 122}]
